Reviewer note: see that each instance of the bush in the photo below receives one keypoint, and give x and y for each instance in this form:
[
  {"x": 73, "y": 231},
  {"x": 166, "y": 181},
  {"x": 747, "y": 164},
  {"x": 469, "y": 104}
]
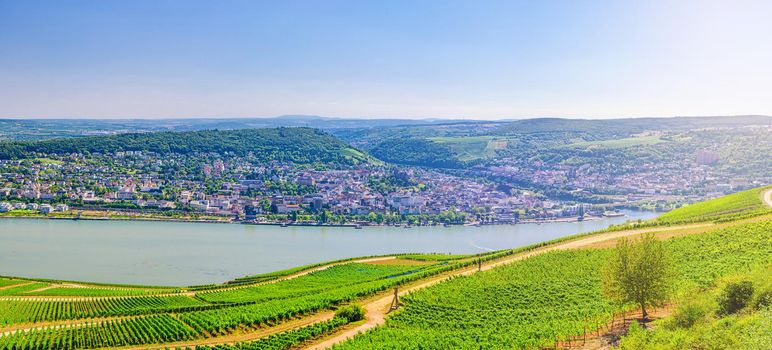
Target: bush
[
  {"x": 763, "y": 300},
  {"x": 351, "y": 312},
  {"x": 734, "y": 297},
  {"x": 689, "y": 313}
]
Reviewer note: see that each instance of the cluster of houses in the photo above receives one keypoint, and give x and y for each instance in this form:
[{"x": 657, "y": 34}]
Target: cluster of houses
[
  {"x": 244, "y": 189},
  {"x": 41, "y": 208}
]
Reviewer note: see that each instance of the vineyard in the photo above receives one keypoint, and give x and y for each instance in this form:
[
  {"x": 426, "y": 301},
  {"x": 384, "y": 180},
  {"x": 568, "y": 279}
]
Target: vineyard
[
  {"x": 555, "y": 295},
  {"x": 137, "y": 320},
  {"x": 739, "y": 205}
]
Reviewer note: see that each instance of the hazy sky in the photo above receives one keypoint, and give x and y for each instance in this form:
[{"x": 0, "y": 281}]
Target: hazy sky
[{"x": 416, "y": 58}]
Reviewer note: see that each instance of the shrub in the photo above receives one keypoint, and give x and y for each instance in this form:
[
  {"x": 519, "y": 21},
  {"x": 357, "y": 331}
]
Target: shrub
[
  {"x": 352, "y": 312},
  {"x": 734, "y": 297},
  {"x": 689, "y": 313}
]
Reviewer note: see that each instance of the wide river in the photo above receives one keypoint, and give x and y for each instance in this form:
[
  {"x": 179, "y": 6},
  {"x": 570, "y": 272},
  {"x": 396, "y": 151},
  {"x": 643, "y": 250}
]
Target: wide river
[{"x": 179, "y": 254}]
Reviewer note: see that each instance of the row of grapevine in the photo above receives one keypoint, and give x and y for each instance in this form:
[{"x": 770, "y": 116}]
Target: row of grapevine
[
  {"x": 140, "y": 330},
  {"x": 22, "y": 311}
]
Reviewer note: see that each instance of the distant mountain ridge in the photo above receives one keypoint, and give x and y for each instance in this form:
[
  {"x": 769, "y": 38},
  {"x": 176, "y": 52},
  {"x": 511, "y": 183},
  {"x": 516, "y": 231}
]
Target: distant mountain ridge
[{"x": 40, "y": 129}]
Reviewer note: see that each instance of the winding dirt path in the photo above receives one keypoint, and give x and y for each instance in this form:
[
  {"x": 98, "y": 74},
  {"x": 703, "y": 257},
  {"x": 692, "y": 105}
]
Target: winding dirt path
[
  {"x": 767, "y": 196},
  {"x": 16, "y": 285}
]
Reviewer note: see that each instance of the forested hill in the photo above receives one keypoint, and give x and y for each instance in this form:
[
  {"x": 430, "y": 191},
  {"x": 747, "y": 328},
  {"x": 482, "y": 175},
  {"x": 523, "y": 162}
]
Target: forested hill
[{"x": 299, "y": 145}]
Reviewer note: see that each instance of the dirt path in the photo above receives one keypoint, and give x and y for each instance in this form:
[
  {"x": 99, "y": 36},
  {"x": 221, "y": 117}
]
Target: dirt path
[
  {"x": 16, "y": 285},
  {"x": 767, "y": 196},
  {"x": 377, "y": 308}
]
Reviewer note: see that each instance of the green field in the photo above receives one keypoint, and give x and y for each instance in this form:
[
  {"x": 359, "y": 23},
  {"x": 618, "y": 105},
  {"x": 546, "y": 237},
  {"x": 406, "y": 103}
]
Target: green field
[
  {"x": 473, "y": 147},
  {"x": 619, "y": 143}
]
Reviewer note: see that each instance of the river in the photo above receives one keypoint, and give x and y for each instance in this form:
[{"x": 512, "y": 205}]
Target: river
[{"x": 180, "y": 254}]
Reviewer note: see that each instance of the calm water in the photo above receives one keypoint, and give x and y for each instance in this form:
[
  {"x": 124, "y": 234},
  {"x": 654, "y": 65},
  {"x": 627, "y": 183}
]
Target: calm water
[{"x": 169, "y": 253}]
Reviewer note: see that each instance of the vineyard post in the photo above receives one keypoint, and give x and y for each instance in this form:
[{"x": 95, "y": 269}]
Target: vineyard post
[{"x": 395, "y": 301}]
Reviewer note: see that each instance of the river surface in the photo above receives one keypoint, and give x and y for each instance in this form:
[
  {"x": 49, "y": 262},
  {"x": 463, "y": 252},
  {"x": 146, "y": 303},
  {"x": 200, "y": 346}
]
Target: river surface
[{"x": 180, "y": 254}]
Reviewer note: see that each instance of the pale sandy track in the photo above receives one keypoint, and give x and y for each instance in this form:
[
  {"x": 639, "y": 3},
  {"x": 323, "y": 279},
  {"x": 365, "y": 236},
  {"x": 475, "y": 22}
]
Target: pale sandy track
[
  {"x": 16, "y": 285},
  {"x": 767, "y": 196}
]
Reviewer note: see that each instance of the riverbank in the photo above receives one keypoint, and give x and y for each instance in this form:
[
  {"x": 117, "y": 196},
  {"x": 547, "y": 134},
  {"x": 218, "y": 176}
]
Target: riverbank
[{"x": 75, "y": 217}]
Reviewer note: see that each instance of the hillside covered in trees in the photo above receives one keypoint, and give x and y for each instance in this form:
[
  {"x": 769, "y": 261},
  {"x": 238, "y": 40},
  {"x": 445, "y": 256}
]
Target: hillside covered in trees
[{"x": 299, "y": 145}]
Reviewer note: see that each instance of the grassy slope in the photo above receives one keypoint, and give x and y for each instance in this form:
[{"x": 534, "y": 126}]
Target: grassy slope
[
  {"x": 698, "y": 323},
  {"x": 745, "y": 203}
]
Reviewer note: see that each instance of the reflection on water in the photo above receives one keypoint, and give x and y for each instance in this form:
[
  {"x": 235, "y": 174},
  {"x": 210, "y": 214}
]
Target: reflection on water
[{"x": 192, "y": 253}]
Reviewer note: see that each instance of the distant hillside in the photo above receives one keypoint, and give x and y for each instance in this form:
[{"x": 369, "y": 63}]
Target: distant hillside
[
  {"x": 416, "y": 151},
  {"x": 556, "y": 140},
  {"x": 299, "y": 145},
  {"x": 626, "y": 127},
  {"x": 743, "y": 204}
]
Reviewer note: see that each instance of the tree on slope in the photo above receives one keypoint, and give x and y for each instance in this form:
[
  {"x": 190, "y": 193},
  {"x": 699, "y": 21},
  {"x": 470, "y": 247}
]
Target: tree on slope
[{"x": 639, "y": 272}]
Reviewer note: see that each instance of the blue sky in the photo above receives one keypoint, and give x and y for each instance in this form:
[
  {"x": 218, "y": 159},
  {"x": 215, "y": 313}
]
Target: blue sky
[{"x": 451, "y": 59}]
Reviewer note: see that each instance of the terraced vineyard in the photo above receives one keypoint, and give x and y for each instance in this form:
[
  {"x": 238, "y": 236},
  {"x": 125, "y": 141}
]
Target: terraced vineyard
[
  {"x": 530, "y": 303},
  {"x": 732, "y": 207}
]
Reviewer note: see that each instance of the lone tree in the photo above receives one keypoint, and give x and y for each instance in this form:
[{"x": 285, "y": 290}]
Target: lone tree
[{"x": 639, "y": 272}]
